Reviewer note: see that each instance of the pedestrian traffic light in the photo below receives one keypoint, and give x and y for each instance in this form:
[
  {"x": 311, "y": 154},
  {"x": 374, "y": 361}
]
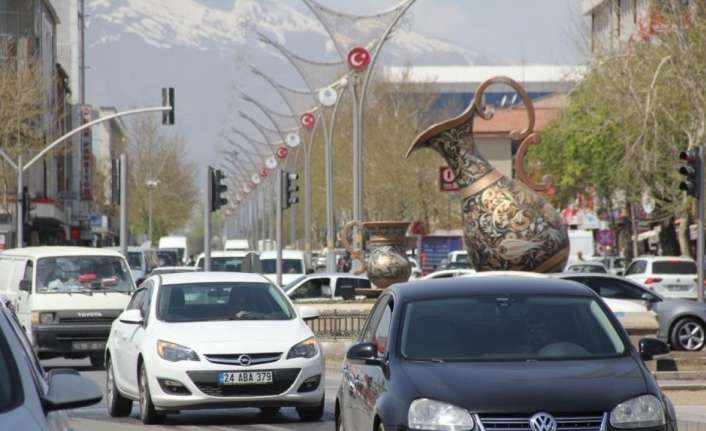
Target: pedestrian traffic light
[
  {"x": 168, "y": 100},
  {"x": 289, "y": 189},
  {"x": 218, "y": 189},
  {"x": 690, "y": 171}
]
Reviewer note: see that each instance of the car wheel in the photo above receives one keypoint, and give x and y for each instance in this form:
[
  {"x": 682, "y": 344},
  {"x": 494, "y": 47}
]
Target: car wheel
[
  {"x": 118, "y": 406},
  {"x": 97, "y": 360},
  {"x": 311, "y": 414},
  {"x": 689, "y": 334},
  {"x": 148, "y": 414},
  {"x": 269, "y": 412}
]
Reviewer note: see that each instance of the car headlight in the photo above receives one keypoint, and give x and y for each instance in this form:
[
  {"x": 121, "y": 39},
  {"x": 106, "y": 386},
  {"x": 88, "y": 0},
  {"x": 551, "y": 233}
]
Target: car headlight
[
  {"x": 425, "y": 414},
  {"x": 306, "y": 349},
  {"x": 44, "y": 318},
  {"x": 642, "y": 412},
  {"x": 174, "y": 352}
]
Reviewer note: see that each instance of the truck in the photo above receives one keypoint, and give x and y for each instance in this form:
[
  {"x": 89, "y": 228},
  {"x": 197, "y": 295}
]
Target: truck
[
  {"x": 432, "y": 249},
  {"x": 580, "y": 241},
  {"x": 178, "y": 244}
]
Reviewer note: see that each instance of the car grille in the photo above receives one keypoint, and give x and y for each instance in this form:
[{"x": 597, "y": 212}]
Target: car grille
[
  {"x": 87, "y": 321},
  {"x": 234, "y": 358},
  {"x": 588, "y": 422},
  {"x": 207, "y": 382}
]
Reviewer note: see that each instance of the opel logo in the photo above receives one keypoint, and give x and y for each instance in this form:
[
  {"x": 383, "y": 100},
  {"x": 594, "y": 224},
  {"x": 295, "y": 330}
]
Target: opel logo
[
  {"x": 246, "y": 360},
  {"x": 542, "y": 422}
]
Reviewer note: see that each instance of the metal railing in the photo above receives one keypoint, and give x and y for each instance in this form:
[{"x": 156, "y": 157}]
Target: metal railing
[{"x": 338, "y": 324}]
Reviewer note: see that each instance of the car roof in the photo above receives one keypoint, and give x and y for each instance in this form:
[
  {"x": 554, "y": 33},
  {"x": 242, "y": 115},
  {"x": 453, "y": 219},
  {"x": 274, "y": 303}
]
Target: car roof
[
  {"x": 212, "y": 277},
  {"x": 286, "y": 254},
  {"x": 130, "y": 249},
  {"x": 335, "y": 274},
  {"x": 587, "y": 263},
  {"x": 59, "y": 251},
  {"x": 227, "y": 253},
  {"x": 490, "y": 285},
  {"x": 665, "y": 258}
]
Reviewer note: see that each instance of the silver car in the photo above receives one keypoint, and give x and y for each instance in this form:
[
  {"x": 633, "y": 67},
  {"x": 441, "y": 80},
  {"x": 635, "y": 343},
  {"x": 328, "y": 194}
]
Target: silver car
[
  {"x": 29, "y": 397},
  {"x": 681, "y": 322}
]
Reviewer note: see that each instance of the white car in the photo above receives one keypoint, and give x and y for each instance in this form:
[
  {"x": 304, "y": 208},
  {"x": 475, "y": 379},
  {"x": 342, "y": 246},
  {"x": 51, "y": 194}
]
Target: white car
[
  {"x": 293, "y": 265},
  {"x": 448, "y": 273},
  {"x": 213, "y": 340},
  {"x": 325, "y": 286},
  {"x": 670, "y": 277},
  {"x": 586, "y": 266}
]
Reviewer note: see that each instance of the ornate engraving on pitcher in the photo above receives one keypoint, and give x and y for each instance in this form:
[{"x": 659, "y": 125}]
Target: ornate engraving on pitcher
[
  {"x": 387, "y": 258},
  {"x": 507, "y": 224}
]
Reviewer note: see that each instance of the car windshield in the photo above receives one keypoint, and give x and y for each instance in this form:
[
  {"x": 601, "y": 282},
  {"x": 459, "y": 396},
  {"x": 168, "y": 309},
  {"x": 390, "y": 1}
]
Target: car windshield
[
  {"x": 134, "y": 259},
  {"x": 10, "y": 389},
  {"x": 167, "y": 257},
  {"x": 463, "y": 258},
  {"x": 517, "y": 328},
  {"x": 83, "y": 274},
  {"x": 597, "y": 269},
  {"x": 674, "y": 267},
  {"x": 294, "y": 283},
  {"x": 223, "y": 264},
  {"x": 289, "y": 266},
  {"x": 222, "y": 301}
]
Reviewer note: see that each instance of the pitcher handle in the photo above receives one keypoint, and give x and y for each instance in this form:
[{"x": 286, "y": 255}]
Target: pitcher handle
[{"x": 345, "y": 233}]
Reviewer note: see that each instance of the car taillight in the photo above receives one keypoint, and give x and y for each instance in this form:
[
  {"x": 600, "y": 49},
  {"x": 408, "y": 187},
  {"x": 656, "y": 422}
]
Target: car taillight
[{"x": 652, "y": 280}]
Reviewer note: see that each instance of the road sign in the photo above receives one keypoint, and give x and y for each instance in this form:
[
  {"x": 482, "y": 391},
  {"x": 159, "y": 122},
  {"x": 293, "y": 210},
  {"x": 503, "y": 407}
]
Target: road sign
[
  {"x": 447, "y": 180},
  {"x": 359, "y": 58},
  {"x": 606, "y": 237}
]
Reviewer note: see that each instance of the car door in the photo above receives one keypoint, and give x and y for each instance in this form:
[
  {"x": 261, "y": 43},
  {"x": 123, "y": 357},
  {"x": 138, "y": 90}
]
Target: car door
[
  {"x": 375, "y": 382},
  {"x": 122, "y": 334},
  {"x": 355, "y": 377},
  {"x": 137, "y": 335},
  {"x": 311, "y": 289},
  {"x": 342, "y": 283}
]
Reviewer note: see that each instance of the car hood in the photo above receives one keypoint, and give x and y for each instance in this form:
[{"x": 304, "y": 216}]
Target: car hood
[
  {"x": 510, "y": 387},
  {"x": 237, "y": 336}
]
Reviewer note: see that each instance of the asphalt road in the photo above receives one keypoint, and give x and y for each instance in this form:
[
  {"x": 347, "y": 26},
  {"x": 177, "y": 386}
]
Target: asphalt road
[{"x": 96, "y": 418}]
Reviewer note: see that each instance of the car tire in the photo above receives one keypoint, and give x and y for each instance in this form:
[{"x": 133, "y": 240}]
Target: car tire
[
  {"x": 269, "y": 412},
  {"x": 148, "y": 414},
  {"x": 97, "y": 360},
  {"x": 312, "y": 414},
  {"x": 688, "y": 334},
  {"x": 118, "y": 406}
]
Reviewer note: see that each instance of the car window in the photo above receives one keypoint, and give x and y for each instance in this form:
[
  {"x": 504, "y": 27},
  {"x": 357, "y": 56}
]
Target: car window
[
  {"x": 674, "y": 267},
  {"x": 311, "y": 289},
  {"x": 28, "y": 271},
  {"x": 612, "y": 288},
  {"x": 146, "y": 300},
  {"x": 31, "y": 357},
  {"x": 223, "y": 264},
  {"x": 508, "y": 327},
  {"x": 69, "y": 274},
  {"x": 363, "y": 283},
  {"x": 382, "y": 332},
  {"x": 11, "y": 387},
  {"x": 586, "y": 268},
  {"x": 134, "y": 259},
  {"x": 637, "y": 267},
  {"x": 136, "y": 300},
  {"x": 373, "y": 318}
]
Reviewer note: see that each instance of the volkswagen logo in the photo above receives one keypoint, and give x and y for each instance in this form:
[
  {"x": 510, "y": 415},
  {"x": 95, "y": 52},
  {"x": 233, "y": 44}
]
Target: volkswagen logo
[
  {"x": 542, "y": 422},
  {"x": 246, "y": 360}
]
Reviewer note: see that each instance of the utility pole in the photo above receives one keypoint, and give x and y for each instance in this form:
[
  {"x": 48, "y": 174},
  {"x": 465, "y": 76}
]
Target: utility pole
[
  {"x": 20, "y": 209},
  {"x": 82, "y": 52},
  {"x": 123, "y": 205},
  {"x": 278, "y": 203},
  {"x": 700, "y": 239},
  {"x": 207, "y": 202}
]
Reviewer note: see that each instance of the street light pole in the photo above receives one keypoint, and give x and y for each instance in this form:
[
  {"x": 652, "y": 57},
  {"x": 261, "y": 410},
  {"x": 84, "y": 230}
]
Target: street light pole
[
  {"x": 20, "y": 209},
  {"x": 123, "y": 204},
  {"x": 151, "y": 185}
]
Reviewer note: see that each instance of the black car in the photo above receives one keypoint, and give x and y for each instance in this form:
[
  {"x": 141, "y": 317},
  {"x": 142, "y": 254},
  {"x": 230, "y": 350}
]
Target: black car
[{"x": 498, "y": 353}]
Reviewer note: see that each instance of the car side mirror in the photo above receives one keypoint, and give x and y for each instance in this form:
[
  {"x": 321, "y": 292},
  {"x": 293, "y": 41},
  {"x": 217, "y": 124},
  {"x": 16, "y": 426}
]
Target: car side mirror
[
  {"x": 310, "y": 271},
  {"x": 69, "y": 390},
  {"x": 26, "y": 286},
  {"x": 132, "y": 317},
  {"x": 651, "y": 347},
  {"x": 650, "y": 298},
  {"x": 309, "y": 313},
  {"x": 363, "y": 352}
]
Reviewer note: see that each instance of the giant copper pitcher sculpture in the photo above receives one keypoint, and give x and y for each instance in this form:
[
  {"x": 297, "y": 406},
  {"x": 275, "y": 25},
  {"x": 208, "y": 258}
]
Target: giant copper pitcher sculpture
[{"x": 507, "y": 224}]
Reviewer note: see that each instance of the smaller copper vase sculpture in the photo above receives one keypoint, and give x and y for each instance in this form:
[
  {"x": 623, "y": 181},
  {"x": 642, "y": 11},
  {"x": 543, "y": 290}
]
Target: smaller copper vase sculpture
[{"x": 387, "y": 261}]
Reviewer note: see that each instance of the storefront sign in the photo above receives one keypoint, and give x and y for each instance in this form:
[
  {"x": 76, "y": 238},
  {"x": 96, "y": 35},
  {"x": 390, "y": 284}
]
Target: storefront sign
[{"x": 86, "y": 157}]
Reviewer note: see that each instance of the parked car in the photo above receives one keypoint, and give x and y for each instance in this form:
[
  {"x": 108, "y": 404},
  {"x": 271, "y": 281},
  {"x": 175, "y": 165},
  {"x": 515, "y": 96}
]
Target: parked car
[
  {"x": 228, "y": 261},
  {"x": 586, "y": 266},
  {"x": 614, "y": 264},
  {"x": 681, "y": 322},
  {"x": 162, "y": 270},
  {"x": 498, "y": 353},
  {"x": 213, "y": 340},
  {"x": 31, "y": 399},
  {"x": 670, "y": 277},
  {"x": 293, "y": 265},
  {"x": 66, "y": 297},
  {"x": 448, "y": 273},
  {"x": 324, "y": 286}
]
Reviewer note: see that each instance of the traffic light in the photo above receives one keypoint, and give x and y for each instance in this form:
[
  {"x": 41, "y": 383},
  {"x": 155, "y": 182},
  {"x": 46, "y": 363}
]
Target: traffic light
[
  {"x": 218, "y": 189},
  {"x": 168, "y": 100},
  {"x": 26, "y": 205},
  {"x": 690, "y": 171},
  {"x": 289, "y": 189}
]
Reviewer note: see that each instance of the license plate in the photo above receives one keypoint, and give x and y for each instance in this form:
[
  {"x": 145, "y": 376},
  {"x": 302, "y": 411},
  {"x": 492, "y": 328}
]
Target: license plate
[
  {"x": 678, "y": 287},
  {"x": 245, "y": 378},
  {"x": 88, "y": 345}
]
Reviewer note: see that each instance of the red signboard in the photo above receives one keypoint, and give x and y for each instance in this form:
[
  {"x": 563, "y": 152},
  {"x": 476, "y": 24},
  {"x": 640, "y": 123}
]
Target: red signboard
[{"x": 447, "y": 180}]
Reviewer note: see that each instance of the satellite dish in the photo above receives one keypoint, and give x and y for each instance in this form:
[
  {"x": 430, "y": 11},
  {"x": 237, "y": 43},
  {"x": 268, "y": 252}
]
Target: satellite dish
[
  {"x": 271, "y": 162},
  {"x": 255, "y": 178},
  {"x": 293, "y": 140},
  {"x": 328, "y": 96}
]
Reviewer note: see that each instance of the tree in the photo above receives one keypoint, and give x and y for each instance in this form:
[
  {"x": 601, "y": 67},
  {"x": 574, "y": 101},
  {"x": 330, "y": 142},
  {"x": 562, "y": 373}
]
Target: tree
[{"x": 155, "y": 156}]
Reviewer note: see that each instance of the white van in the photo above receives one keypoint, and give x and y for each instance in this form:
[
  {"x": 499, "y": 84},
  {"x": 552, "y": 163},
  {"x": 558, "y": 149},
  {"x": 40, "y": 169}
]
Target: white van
[
  {"x": 179, "y": 244},
  {"x": 66, "y": 298},
  {"x": 293, "y": 265},
  {"x": 237, "y": 245},
  {"x": 142, "y": 262}
]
